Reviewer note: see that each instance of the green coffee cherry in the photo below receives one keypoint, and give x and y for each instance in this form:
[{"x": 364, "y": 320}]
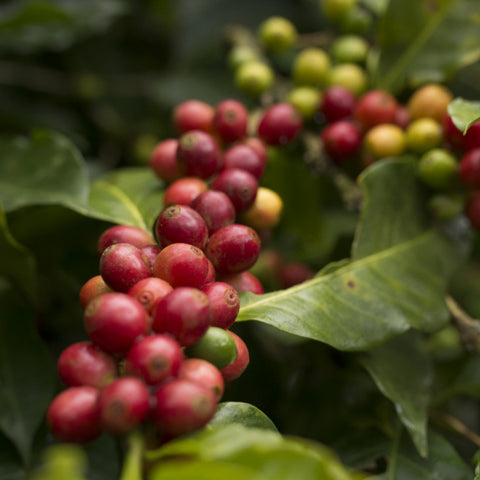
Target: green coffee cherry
[
  {"x": 437, "y": 168},
  {"x": 357, "y": 21},
  {"x": 277, "y": 34},
  {"x": 311, "y": 67},
  {"x": 254, "y": 78},
  {"x": 445, "y": 207},
  {"x": 423, "y": 135},
  {"x": 335, "y": 10},
  {"x": 306, "y": 100},
  {"x": 350, "y": 76},
  {"x": 240, "y": 55},
  {"x": 350, "y": 49}
]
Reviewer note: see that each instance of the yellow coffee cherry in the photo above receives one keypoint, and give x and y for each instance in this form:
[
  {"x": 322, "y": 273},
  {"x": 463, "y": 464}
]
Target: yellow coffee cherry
[
  {"x": 266, "y": 210},
  {"x": 430, "y": 101},
  {"x": 384, "y": 140}
]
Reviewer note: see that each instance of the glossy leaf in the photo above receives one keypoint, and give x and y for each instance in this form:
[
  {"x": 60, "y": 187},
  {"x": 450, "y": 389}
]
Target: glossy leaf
[
  {"x": 403, "y": 373},
  {"x": 241, "y": 413},
  {"x": 464, "y": 113},
  {"x": 396, "y": 280},
  {"x": 26, "y": 380},
  {"x": 419, "y": 41}
]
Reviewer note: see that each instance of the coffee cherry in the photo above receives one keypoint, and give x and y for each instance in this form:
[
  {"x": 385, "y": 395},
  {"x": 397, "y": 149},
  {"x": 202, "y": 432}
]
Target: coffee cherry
[
  {"x": 306, "y": 100},
  {"x": 385, "y": 140},
  {"x": 374, "y": 108},
  {"x": 122, "y": 265},
  {"x": 224, "y": 303},
  {"x": 198, "y": 155},
  {"x": 215, "y": 208},
  {"x": 184, "y": 314},
  {"x": 183, "y": 406},
  {"x": 151, "y": 252},
  {"x": 471, "y": 139},
  {"x": 341, "y": 140},
  {"x": 472, "y": 210},
  {"x": 244, "y": 157},
  {"x": 93, "y": 288},
  {"x": 183, "y": 191},
  {"x": 154, "y": 359},
  {"x": 357, "y": 20},
  {"x": 452, "y": 134},
  {"x": 181, "y": 265},
  {"x": 293, "y": 273},
  {"x": 236, "y": 368},
  {"x": 429, "y": 101},
  {"x": 74, "y": 416},
  {"x": 258, "y": 146},
  {"x": 149, "y": 291},
  {"x": 310, "y": 67},
  {"x": 163, "y": 160},
  {"x": 423, "y": 134},
  {"x": 349, "y": 48},
  {"x": 124, "y": 234},
  {"x": 350, "y": 76},
  {"x": 338, "y": 103},
  {"x": 239, "y": 185},
  {"x": 244, "y": 282},
  {"x": 280, "y": 124},
  {"x": 469, "y": 169},
  {"x": 230, "y": 121},
  {"x": 402, "y": 117},
  {"x": 204, "y": 373},
  {"x": 83, "y": 363},
  {"x": 233, "y": 248},
  {"x": 114, "y": 321},
  {"x": 211, "y": 273},
  {"x": 193, "y": 115},
  {"x": 240, "y": 55},
  {"x": 216, "y": 346},
  {"x": 266, "y": 210},
  {"x": 181, "y": 224},
  {"x": 277, "y": 34},
  {"x": 254, "y": 78},
  {"x": 124, "y": 404},
  {"x": 336, "y": 10},
  {"x": 437, "y": 168}
]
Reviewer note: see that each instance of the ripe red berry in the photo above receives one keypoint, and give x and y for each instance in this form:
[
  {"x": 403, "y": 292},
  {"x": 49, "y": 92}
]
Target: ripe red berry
[
  {"x": 471, "y": 139},
  {"x": 246, "y": 158},
  {"x": 193, "y": 115},
  {"x": 149, "y": 291},
  {"x": 181, "y": 265},
  {"x": 123, "y": 405},
  {"x": 338, "y": 103},
  {"x": 341, "y": 140},
  {"x": 122, "y": 265},
  {"x": 198, "y": 155},
  {"x": 244, "y": 282},
  {"x": 204, "y": 373},
  {"x": 83, "y": 363},
  {"x": 293, "y": 273},
  {"x": 181, "y": 224},
  {"x": 472, "y": 210},
  {"x": 183, "y": 191},
  {"x": 93, "y": 288},
  {"x": 114, "y": 321},
  {"x": 154, "y": 358},
  {"x": 233, "y": 248},
  {"x": 151, "y": 252},
  {"x": 230, "y": 120},
  {"x": 452, "y": 134},
  {"x": 402, "y": 117},
  {"x": 182, "y": 407},
  {"x": 124, "y": 234},
  {"x": 258, "y": 145},
  {"x": 375, "y": 107},
  {"x": 184, "y": 314},
  {"x": 469, "y": 169},
  {"x": 164, "y": 160},
  {"x": 235, "y": 369},
  {"x": 74, "y": 416},
  {"x": 239, "y": 185},
  {"x": 215, "y": 208},
  {"x": 280, "y": 124},
  {"x": 224, "y": 303}
]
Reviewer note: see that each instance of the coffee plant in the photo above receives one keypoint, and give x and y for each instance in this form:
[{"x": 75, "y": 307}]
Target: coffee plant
[{"x": 240, "y": 240}]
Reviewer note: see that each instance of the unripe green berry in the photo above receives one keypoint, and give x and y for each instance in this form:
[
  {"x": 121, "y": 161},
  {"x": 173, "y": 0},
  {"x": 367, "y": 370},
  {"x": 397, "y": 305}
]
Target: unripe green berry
[
  {"x": 306, "y": 100},
  {"x": 423, "y": 135},
  {"x": 437, "y": 168},
  {"x": 357, "y": 21},
  {"x": 311, "y": 67},
  {"x": 335, "y": 10},
  {"x": 350, "y": 76},
  {"x": 445, "y": 207},
  {"x": 349, "y": 49},
  {"x": 254, "y": 78},
  {"x": 241, "y": 54},
  {"x": 277, "y": 34}
]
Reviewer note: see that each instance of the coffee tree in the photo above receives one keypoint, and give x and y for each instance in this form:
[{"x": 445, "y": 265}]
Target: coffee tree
[{"x": 265, "y": 269}]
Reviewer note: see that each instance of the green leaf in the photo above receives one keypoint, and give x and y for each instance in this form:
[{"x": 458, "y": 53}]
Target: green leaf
[
  {"x": 130, "y": 196},
  {"x": 403, "y": 373},
  {"x": 11, "y": 467},
  {"x": 360, "y": 304},
  {"x": 464, "y": 113},
  {"x": 419, "y": 41},
  {"x": 26, "y": 375},
  {"x": 241, "y": 413}
]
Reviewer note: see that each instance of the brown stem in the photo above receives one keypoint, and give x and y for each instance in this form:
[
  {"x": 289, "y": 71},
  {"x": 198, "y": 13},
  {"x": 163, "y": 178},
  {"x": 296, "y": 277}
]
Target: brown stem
[
  {"x": 456, "y": 425},
  {"x": 468, "y": 327}
]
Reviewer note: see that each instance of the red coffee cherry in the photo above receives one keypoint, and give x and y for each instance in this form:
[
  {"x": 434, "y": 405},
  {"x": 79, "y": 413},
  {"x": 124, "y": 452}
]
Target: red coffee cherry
[
  {"x": 375, "y": 107},
  {"x": 452, "y": 134},
  {"x": 74, "y": 416},
  {"x": 235, "y": 369},
  {"x": 224, "y": 303},
  {"x": 193, "y": 115},
  {"x": 151, "y": 252},
  {"x": 239, "y": 185},
  {"x": 341, "y": 140},
  {"x": 183, "y": 191},
  {"x": 184, "y": 314},
  {"x": 244, "y": 157},
  {"x": 181, "y": 224},
  {"x": 258, "y": 146},
  {"x": 154, "y": 359},
  {"x": 83, "y": 363},
  {"x": 471, "y": 140},
  {"x": 338, "y": 103},
  {"x": 293, "y": 273},
  {"x": 124, "y": 234},
  {"x": 164, "y": 160},
  {"x": 469, "y": 169},
  {"x": 149, "y": 291},
  {"x": 114, "y": 321},
  {"x": 181, "y": 265},
  {"x": 472, "y": 210},
  {"x": 93, "y": 288},
  {"x": 230, "y": 121},
  {"x": 122, "y": 265},
  {"x": 211, "y": 273},
  {"x": 215, "y": 208},
  {"x": 402, "y": 117},
  {"x": 124, "y": 404},
  {"x": 233, "y": 248},
  {"x": 244, "y": 282},
  {"x": 182, "y": 407},
  {"x": 198, "y": 155},
  {"x": 203, "y": 373},
  {"x": 280, "y": 124}
]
